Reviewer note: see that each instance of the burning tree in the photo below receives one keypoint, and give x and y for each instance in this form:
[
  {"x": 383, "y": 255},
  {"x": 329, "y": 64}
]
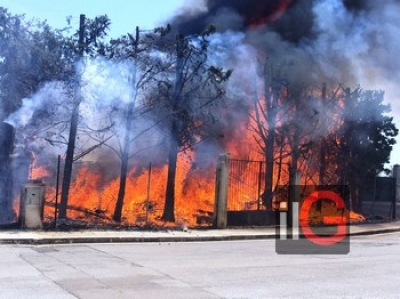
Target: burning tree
[
  {"x": 90, "y": 31},
  {"x": 284, "y": 121},
  {"x": 136, "y": 51},
  {"x": 186, "y": 98},
  {"x": 333, "y": 136}
]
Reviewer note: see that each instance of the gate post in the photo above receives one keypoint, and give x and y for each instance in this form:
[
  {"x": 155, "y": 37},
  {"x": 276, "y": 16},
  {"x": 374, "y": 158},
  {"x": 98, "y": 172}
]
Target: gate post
[
  {"x": 396, "y": 200},
  {"x": 396, "y": 175},
  {"x": 221, "y": 192},
  {"x": 294, "y": 197}
]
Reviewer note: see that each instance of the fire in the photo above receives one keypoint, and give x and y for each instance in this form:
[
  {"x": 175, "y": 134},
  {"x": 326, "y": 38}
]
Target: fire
[
  {"x": 38, "y": 171},
  {"x": 328, "y": 208},
  {"x": 268, "y": 13},
  {"x": 92, "y": 198}
]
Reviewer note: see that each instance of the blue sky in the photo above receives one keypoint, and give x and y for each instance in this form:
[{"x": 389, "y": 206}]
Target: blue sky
[{"x": 125, "y": 15}]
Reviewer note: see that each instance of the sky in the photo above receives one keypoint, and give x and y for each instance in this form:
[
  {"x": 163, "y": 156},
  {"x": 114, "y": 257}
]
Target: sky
[{"x": 125, "y": 15}]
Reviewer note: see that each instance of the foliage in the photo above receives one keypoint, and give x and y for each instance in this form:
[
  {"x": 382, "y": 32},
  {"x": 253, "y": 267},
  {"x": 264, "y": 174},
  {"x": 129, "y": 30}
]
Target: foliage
[
  {"x": 367, "y": 135},
  {"x": 30, "y": 55}
]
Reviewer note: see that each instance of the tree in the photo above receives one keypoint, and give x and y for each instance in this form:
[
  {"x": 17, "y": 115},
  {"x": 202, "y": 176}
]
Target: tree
[
  {"x": 186, "y": 97},
  {"x": 283, "y": 120},
  {"x": 366, "y": 138},
  {"x": 266, "y": 113},
  {"x": 89, "y": 33},
  {"x": 30, "y": 56},
  {"x": 136, "y": 51}
]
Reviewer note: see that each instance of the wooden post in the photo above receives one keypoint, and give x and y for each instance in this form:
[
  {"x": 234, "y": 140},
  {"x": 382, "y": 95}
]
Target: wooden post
[{"x": 57, "y": 189}]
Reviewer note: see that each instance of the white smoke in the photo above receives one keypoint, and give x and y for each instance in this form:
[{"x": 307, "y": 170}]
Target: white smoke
[
  {"x": 360, "y": 47},
  {"x": 47, "y": 98},
  {"x": 105, "y": 89}
]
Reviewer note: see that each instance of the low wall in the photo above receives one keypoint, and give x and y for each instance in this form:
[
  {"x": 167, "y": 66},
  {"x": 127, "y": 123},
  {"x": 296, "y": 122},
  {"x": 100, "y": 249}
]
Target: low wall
[{"x": 251, "y": 218}]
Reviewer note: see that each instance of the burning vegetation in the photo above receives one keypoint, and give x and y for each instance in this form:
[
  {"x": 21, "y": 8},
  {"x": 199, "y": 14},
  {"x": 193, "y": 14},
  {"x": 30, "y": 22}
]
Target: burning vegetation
[{"x": 275, "y": 84}]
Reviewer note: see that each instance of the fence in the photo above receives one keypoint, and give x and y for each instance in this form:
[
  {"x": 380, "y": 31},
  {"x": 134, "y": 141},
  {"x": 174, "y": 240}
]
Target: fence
[
  {"x": 378, "y": 198},
  {"x": 246, "y": 184},
  {"x": 246, "y": 180}
]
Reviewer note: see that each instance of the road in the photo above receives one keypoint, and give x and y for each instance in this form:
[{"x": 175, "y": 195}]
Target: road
[{"x": 233, "y": 269}]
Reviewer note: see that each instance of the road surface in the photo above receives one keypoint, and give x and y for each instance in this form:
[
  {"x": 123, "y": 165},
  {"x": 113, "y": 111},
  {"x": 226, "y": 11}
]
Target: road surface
[{"x": 233, "y": 269}]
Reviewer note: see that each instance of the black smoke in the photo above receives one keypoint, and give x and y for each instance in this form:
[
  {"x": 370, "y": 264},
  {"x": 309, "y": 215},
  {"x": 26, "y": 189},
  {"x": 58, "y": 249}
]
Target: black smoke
[{"x": 293, "y": 20}]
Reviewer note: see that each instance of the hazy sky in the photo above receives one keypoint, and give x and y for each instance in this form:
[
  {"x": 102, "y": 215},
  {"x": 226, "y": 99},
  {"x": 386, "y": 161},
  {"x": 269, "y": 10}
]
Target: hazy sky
[{"x": 125, "y": 15}]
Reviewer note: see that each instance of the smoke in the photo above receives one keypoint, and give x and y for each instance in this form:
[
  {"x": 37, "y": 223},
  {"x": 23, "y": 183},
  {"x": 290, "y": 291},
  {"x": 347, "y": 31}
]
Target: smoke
[
  {"x": 361, "y": 44},
  {"x": 104, "y": 90},
  {"x": 310, "y": 41},
  {"x": 52, "y": 93},
  {"x": 291, "y": 18}
]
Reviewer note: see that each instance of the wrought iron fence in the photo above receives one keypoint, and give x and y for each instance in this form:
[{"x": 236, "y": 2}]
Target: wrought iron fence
[{"x": 246, "y": 179}]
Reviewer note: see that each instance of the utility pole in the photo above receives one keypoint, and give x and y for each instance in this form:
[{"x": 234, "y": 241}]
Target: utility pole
[{"x": 69, "y": 158}]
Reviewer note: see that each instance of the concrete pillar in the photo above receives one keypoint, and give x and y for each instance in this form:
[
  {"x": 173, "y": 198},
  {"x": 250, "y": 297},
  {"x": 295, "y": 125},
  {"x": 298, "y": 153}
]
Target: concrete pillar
[
  {"x": 294, "y": 196},
  {"x": 221, "y": 192},
  {"x": 396, "y": 175},
  {"x": 7, "y": 134},
  {"x": 396, "y": 202}
]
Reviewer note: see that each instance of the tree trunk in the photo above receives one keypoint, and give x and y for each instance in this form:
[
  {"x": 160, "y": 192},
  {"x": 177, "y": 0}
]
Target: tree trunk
[
  {"x": 270, "y": 140},
  {"x": 323, "y": 143},
  {"x": 269, "y": 172},
  {"x": 69, "y": 158},
  {"x": 127, "y": 140},
  {"x": 169, "y": 205},
  {"x": 124, "y": 164},
  {"x": 122, "y": 181}
]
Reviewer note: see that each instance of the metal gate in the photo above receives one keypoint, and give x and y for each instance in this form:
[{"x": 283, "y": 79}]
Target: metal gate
[
  {"x": 378, "y": 198},
  {"x": 246, "y": 185}
]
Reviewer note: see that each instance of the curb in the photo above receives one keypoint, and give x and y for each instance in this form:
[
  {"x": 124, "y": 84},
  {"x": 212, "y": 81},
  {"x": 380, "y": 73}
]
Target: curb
[
  {"x": 166, "y": 239},
  {"x": 376, "y": 232},
  {"x": 174, "y": 239}
]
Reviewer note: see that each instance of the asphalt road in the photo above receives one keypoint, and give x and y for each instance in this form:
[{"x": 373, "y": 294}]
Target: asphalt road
[{"x": 233, "y": 269}]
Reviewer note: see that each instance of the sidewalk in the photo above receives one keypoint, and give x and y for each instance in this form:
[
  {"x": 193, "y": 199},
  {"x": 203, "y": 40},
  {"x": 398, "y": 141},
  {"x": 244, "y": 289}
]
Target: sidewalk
[{"x": 37, "y": 237}]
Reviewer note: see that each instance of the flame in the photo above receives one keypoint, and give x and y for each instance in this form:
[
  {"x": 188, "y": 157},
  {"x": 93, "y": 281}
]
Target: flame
[
  {"x": 93, "y": 196},
  {"x": 329, "y": 209},
  {"x": 38, "y": 171},
  {"x": 270, "y": 14}
]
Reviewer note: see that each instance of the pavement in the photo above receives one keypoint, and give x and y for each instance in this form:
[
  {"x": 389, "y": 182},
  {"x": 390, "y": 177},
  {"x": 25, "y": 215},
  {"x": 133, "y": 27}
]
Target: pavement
[{"x": 38, "y": 237}]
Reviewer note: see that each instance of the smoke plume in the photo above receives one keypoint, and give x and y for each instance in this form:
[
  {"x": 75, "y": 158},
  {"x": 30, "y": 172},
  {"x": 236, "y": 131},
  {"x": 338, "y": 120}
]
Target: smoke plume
[{"x": 353, "y": 42}]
